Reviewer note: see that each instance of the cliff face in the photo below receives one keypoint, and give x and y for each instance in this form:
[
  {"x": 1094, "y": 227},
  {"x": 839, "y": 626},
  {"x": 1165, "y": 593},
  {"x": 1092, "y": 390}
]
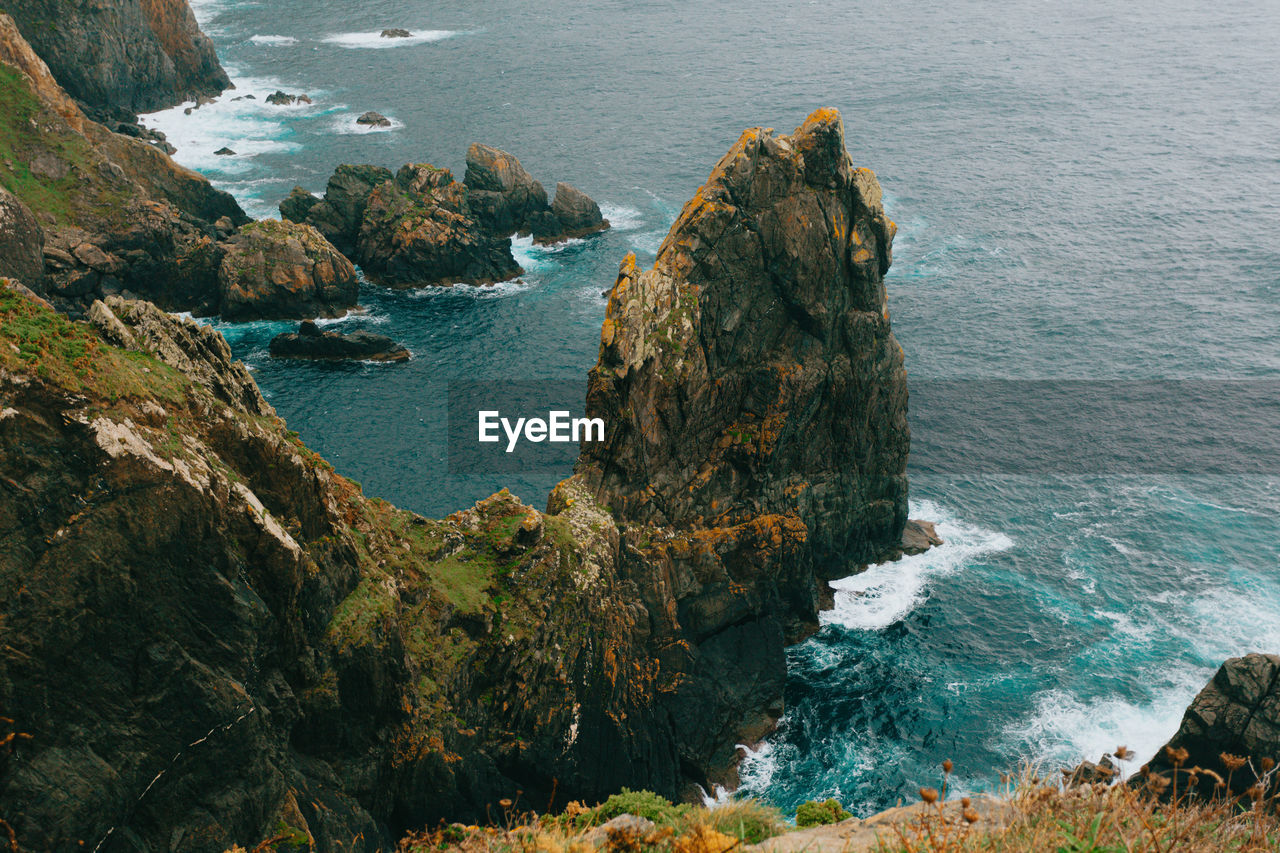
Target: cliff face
[
  {"x": 210, "y": 637},
  {"x": 122, "y": 55}
]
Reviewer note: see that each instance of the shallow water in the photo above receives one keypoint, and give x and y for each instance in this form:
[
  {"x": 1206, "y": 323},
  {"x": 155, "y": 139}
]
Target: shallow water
[{"x": 1082, "y": 192}]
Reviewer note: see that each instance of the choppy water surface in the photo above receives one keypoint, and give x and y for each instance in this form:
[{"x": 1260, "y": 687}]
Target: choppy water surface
[{"x": 1083, "y": 191}]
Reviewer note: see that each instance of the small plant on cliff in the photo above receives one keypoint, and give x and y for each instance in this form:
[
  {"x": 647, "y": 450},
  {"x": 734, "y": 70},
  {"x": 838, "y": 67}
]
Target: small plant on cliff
[
  {"x": 645, "y": 804},
  {"x": 819, "y": 813}
]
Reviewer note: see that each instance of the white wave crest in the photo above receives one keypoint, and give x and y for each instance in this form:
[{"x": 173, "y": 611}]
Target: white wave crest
[
  {"x": 273, "y": 41},
  {"x": 374, "y": 40},
  {"x": 621, "y": 217},
  {"x": 883, "y": 594}
]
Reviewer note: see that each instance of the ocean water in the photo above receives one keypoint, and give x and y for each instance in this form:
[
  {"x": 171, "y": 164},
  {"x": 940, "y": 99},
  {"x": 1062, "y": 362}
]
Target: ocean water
[{"x": 1084, "y": 191}]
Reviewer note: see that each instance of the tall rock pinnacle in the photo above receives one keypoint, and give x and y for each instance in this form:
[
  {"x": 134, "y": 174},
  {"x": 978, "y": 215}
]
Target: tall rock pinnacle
[{"x": 752, "y": 371}]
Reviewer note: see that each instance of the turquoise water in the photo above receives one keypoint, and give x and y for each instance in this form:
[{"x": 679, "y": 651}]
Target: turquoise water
[{"x": 1083, "y": 192}]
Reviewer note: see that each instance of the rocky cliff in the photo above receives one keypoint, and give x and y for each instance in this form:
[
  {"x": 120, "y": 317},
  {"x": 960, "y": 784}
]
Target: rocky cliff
[
  {"x": 211, "y": 637},
  {"x": 122, "y": 56},
  {"x": 113, "y": 214}
]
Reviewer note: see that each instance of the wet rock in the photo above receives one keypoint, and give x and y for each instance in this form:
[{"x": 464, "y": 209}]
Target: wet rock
[
  {"x": 918, "y": 537},
  {"x": 283, "y": 99},
  {"x": 1237, "y": 714},
  {"x": 224, "y": 152},
  {"x": 576, "y": 213},
  {"x": 373, "y": 119},
  {"x": 310, "y": 342},
  {"x": 396, "y": 33},
  {"x": 282, "y": 269}
]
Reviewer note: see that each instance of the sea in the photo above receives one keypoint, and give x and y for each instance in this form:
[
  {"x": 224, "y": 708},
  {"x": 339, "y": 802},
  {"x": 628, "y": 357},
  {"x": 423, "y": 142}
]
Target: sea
[{"x": 1085, "y": 192}]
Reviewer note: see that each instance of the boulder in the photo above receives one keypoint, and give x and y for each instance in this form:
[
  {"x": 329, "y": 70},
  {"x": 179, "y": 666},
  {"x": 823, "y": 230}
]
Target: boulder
[
  {"x": 1235, "y": 717},
  {"x": 281, "y": 270},
  {"x": 418, "y": 230},
  {"x": 576, "y": 213},
  {"x": 373, "y": 119},
  {"x": 297, "y": 205},
  {"x": 502, "y": 195},
  {"x": 284, "y": 99},
  {"x": 311, "y": 343},
  {"x": 21, "y": 242},
  {"x": 224, "y": 151},
  {"x": 396, "y": 33}
]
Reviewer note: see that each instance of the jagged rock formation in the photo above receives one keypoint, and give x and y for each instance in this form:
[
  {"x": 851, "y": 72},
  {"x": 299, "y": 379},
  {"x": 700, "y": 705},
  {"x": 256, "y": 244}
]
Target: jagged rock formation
[
  {"x": 122, "y": 56},
  {"x": 21, "y": 241},
  {"x": 115, "y": 215},
  {"x": 418, "y": 229},
  {"x": 180, "y": 576},
  {"x": 282, "y": 269},
  {"x": 756, "y": 405},
  {"x": 422, "y": 227},
  {"x": 1236, "y": 714},
  {"x": 310, "y": 342}
]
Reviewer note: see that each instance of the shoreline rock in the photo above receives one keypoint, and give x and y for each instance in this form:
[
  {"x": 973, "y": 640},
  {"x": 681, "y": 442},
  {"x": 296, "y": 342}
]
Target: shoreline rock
[
  {"x": 309, "y": 342},
  {"x": 282, "y": 269},
  {"x": 396, "y": 33},
  {"x": 373, "y": 119}
]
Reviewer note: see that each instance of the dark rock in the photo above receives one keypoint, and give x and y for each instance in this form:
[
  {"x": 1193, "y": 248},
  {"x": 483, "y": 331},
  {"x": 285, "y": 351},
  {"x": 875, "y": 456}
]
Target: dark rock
[
  {"x": 122, "y": 55},
  {"x": 1236, "y": 714},
  {"x": 224, "y": 152},
  {"x": 418, "y": 230},
  {"x": 502, "y": 195},
  {"x": 341, "y": 214},
  {"x": 374, "y": 119},
  {"x": 283, "y": 269},
  {"x": 396, "y": 33},
  {"x": 245, "y": 98},
  {"x": 577, "y": 214},
  {"x": 297, "y": 205},
  {"x": 727, "y": 375},
  {"x": 283, "y": 99},
  {"x": 21, "y": 242},
  {"x": 312, "y": 343},
  {"x": 129, "y": 129}
]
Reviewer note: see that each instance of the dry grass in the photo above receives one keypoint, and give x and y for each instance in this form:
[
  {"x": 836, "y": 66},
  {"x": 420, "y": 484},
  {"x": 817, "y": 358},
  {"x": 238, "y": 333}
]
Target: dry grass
[{"x": 1153, "y": 814}]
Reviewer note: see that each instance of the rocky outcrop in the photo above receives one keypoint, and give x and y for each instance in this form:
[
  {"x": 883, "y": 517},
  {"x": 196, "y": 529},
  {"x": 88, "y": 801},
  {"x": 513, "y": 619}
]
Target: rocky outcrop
[
  {"x": 118, "y": 216},
  {"x": 573, "y": 214},
  {"x": 757, "y": 440},
  {"x": 1231, "y": 728},
  {"x": 502, "y": 195},
  {"x": 310, "y": 342},
  {"x": 282, "y": 269},
  {"x": 340, "y": 213},
  {"x": 418, "y": 230},
  {"x": 21, "y": 242},
  {"x": 210, "y": 637},
  {"x": 122, "y": 56}
]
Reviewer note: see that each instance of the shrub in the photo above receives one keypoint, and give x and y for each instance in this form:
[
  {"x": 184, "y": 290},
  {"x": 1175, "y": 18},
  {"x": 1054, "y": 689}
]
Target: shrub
[{"x": 814, "y": 813}]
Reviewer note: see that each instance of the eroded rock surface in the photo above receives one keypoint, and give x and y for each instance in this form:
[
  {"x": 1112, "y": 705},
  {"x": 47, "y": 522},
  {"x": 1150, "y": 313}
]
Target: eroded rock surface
[
  {"x": 310, "y": 342},
  {"x": 282, "y": 269}
]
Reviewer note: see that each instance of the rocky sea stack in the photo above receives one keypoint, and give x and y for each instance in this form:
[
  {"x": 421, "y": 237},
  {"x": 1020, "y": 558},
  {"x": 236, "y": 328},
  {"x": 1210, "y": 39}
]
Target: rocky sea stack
[{"x": 310, "y": 342}]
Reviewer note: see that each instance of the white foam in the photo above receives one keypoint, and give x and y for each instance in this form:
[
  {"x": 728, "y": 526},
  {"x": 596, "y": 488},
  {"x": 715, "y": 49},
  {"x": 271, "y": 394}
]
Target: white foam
[
  {"x": 883, "y": 594},
  {"x": 533, "y": 258},
  {"x": 248, "y": 127},
  {"x": 621, "y": 217},
  {"x": 273, "y": 41},
  {"x": 345, "y": 124},
  {"x": 374, "y": 40},
  {"x": 474, "y": 291},
  {"x": 1065, "y": 730}
]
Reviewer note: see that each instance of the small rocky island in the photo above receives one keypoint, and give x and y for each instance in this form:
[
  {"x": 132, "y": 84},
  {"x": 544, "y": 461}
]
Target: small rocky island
[
  {"x": 420, "y": 226},
  {"x": 310, "y": 342}
]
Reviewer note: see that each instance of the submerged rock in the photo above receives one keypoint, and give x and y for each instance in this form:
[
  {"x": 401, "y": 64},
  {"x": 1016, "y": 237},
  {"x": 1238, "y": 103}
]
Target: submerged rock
[
  {"x": 282, "y": 269},
  {"x": 396, "y": 33},
  {"x": 373, "y": 119},
  {"x": 310, "y": 342}
]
